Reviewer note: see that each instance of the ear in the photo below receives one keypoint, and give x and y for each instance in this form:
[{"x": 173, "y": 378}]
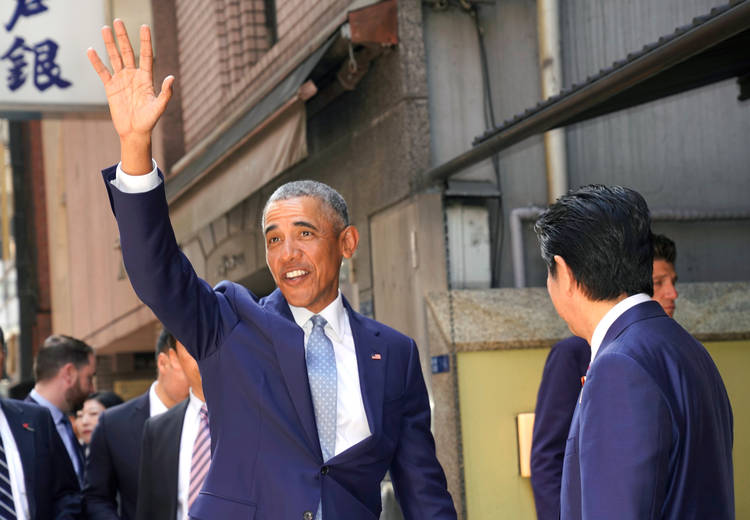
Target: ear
[
  {"x": 162, "y": 362},
  {"x": 348, "y": 241},
  {"x": 564, "y": 275},
  {"x": 69, "y": 372}
]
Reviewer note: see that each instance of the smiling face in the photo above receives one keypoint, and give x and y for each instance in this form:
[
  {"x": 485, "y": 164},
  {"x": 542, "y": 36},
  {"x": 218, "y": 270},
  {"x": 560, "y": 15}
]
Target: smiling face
[{"x": 304, "y": 249}]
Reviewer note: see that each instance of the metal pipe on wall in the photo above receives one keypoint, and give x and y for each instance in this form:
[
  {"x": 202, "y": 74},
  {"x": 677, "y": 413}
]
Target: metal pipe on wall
[
  {"x": 518, "y": 215},
  {"x": 550, "y": 68}
]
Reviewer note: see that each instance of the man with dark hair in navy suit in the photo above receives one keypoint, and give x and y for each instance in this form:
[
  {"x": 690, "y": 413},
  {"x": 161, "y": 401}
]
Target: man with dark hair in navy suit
[
  {"x": 561, "y": 384},
  {"x": 651, "y": 436},
  {"x": 37, "y": 480},
  {"x": 112, "y": 467},
  {"x": 309, "y": 402}
]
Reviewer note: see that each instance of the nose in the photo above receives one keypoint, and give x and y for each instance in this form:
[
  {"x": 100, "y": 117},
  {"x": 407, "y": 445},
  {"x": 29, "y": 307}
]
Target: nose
[
  {"x": 289, "y": 249},
  {"x": 671, "y": 291}
]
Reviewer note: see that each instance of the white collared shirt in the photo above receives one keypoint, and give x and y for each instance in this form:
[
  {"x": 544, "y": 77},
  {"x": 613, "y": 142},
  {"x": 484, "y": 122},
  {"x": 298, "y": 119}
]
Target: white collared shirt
[
  {"x": 190, "y": 426},
  {"x": 15, "y": 469},
  {"x": 615, "y": 312},
  {"x": 351, "y": 420},
  {"x": 155, "y": 406}
]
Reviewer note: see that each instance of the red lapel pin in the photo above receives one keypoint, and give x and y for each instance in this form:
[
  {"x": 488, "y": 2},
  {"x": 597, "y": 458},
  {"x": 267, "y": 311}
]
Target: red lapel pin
[
  {"x": 376, "y": 356},
  {"x": 27, "y": 427}
]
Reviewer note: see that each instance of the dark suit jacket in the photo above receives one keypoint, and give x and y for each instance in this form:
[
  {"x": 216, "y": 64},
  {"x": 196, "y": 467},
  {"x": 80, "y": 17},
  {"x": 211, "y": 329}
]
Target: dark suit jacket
[
  {"x": 652, "y": 435},
  {"x": 112, "y": 465},
  {"x": 77, "y": 446},
  {"x": 160, "y": 462},
  {"x": 266, "y": 454},
  {"x": 51, "y": 484},
  {"x": 558, "y": 395}
]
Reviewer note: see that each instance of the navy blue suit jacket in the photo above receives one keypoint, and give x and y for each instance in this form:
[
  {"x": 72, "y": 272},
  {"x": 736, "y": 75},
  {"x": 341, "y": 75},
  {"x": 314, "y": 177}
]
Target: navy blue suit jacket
[
  {"x": 160, "y": 464},
  {"x": 558, "y": 394},
  {"x": 112, "y": 466},
  {"x": 266, "y": 458},
  {"x": 651, "y": 437},
  {"x": 51, "y": 484}
]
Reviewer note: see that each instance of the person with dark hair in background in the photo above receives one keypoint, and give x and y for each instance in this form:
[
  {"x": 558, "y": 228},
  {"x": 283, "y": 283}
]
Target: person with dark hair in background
[
  {"x": 564, "y": 370},
  {"x": 88, "y": 415},
  {"x": 37, "y": 480},
  {"x": 651, "y": 436},
  {"x": 176, "y": 452},
  {"x": 111, "y": 489},
  {"x": 64, "y": 369}
]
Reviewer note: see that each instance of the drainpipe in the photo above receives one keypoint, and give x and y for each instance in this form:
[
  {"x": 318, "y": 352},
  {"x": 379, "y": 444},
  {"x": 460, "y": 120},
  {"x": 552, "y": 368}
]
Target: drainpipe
[
  {"x": 518, "y": 215},
  {"x": 550, "y": 68}
]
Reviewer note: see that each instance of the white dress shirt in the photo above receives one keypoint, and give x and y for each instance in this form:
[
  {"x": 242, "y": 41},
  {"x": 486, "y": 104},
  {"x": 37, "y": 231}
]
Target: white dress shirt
[
  {"x": 615, "y": 312},
  {"x": 155, "y": 406},
  {"x": 15, "y": 468},
  {"x": 190, "y": 426},
  {"x": 351, "y": 421}
]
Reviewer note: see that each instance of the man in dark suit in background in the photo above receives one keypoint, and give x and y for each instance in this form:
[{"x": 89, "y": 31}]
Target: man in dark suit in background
[
  {"x": 64, "y": 369},
  {"x": 175, "y": 453},
  {"x": 310, "y": 403},
  {"x": 561, "y": 384},
  {"x": 112, "y": 466},
  {"x": 651, "y": 436},
  {"x": 37, "y": 480}
]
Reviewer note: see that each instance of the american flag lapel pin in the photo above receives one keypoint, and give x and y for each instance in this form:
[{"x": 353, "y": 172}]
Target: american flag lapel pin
[{"x": 376, "y": 356}]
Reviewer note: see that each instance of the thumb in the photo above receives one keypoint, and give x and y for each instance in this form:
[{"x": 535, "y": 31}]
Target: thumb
[{"x": 166, "y": 93}]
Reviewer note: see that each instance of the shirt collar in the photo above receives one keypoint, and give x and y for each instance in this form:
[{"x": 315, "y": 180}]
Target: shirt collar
[
  {"x": 615, "y": 312},
  {"x": 156, "y": 406},
  {"x": 195, "y": 401},
  {"x": 57, "y": 414},
  {"x": 334, "y": 313}
]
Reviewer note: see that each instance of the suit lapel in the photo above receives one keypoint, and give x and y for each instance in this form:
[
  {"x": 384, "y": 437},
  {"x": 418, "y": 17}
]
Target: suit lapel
[
  {"x": 24, "y": 437},
  {"x": 368, "y": 343},
  {"x": 288, "y": 340}
]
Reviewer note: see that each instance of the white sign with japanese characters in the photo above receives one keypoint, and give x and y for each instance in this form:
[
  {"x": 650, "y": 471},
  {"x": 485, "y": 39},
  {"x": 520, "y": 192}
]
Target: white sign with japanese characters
[{"x": 43, "y": 63}]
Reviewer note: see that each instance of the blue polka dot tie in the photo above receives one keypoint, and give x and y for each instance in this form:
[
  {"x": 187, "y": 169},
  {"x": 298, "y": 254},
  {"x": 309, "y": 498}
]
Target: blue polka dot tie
[{"x": 321, "y": 372}]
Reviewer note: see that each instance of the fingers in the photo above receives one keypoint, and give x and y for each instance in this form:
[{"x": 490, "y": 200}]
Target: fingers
[
  {"x": 126, "y": 50},
  {"x": 147, "y": 53},
  {"x": 99, "y": 67},
  {"x": 111, "y": 47},
  {"x": 165, "y": 94}
]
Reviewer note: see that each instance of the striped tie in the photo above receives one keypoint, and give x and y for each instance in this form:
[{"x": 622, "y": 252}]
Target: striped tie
[
  {"x": 201, "y": 457},
  {"x": 7, "y": 506}
]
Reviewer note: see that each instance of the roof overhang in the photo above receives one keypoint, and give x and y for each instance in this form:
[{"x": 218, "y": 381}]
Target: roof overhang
[{"x": 713, "y": 48}]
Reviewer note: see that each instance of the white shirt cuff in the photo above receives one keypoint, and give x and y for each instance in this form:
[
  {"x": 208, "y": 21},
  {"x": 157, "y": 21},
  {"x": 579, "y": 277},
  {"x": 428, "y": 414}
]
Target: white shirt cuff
[{"x": 136, "y": 183}]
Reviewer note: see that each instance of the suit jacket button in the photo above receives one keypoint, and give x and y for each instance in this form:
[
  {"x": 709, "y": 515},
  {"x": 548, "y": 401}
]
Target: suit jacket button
[
  {"x": 307, "y": 515},
  {"x": 324, "y": 470}
]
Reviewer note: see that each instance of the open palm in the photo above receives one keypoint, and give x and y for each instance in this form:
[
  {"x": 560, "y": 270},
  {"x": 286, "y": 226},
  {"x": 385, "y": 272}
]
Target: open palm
[{"x": 134, "y": 106}]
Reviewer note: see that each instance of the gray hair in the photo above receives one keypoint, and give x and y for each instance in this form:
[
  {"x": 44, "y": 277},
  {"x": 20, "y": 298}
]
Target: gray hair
[{"x": 331, "y": 198}]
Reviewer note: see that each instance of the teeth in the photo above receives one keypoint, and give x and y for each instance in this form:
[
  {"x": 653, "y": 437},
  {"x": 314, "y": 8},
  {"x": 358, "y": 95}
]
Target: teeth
[{"x": 295, "y": 274}]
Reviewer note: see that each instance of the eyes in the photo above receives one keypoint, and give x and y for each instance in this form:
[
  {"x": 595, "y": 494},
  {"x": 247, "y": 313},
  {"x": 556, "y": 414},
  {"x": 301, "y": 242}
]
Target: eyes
[{"x": 276, "y": 238}]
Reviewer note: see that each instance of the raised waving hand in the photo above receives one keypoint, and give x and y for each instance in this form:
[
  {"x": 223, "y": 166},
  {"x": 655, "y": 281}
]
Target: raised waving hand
[{"x": 133, "y": 103}]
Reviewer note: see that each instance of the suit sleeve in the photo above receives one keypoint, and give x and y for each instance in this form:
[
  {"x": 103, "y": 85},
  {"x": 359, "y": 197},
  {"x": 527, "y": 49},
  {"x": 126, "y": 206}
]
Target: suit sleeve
[
  {"x": 100, "y": 489},
  {"x": 624, "y": 442},
  {"x": 67, "y": 501},
  {"x": 556, "y": 401},
  {"x": 418, "y": 478},
  {"x": 162, "y": 276}
]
